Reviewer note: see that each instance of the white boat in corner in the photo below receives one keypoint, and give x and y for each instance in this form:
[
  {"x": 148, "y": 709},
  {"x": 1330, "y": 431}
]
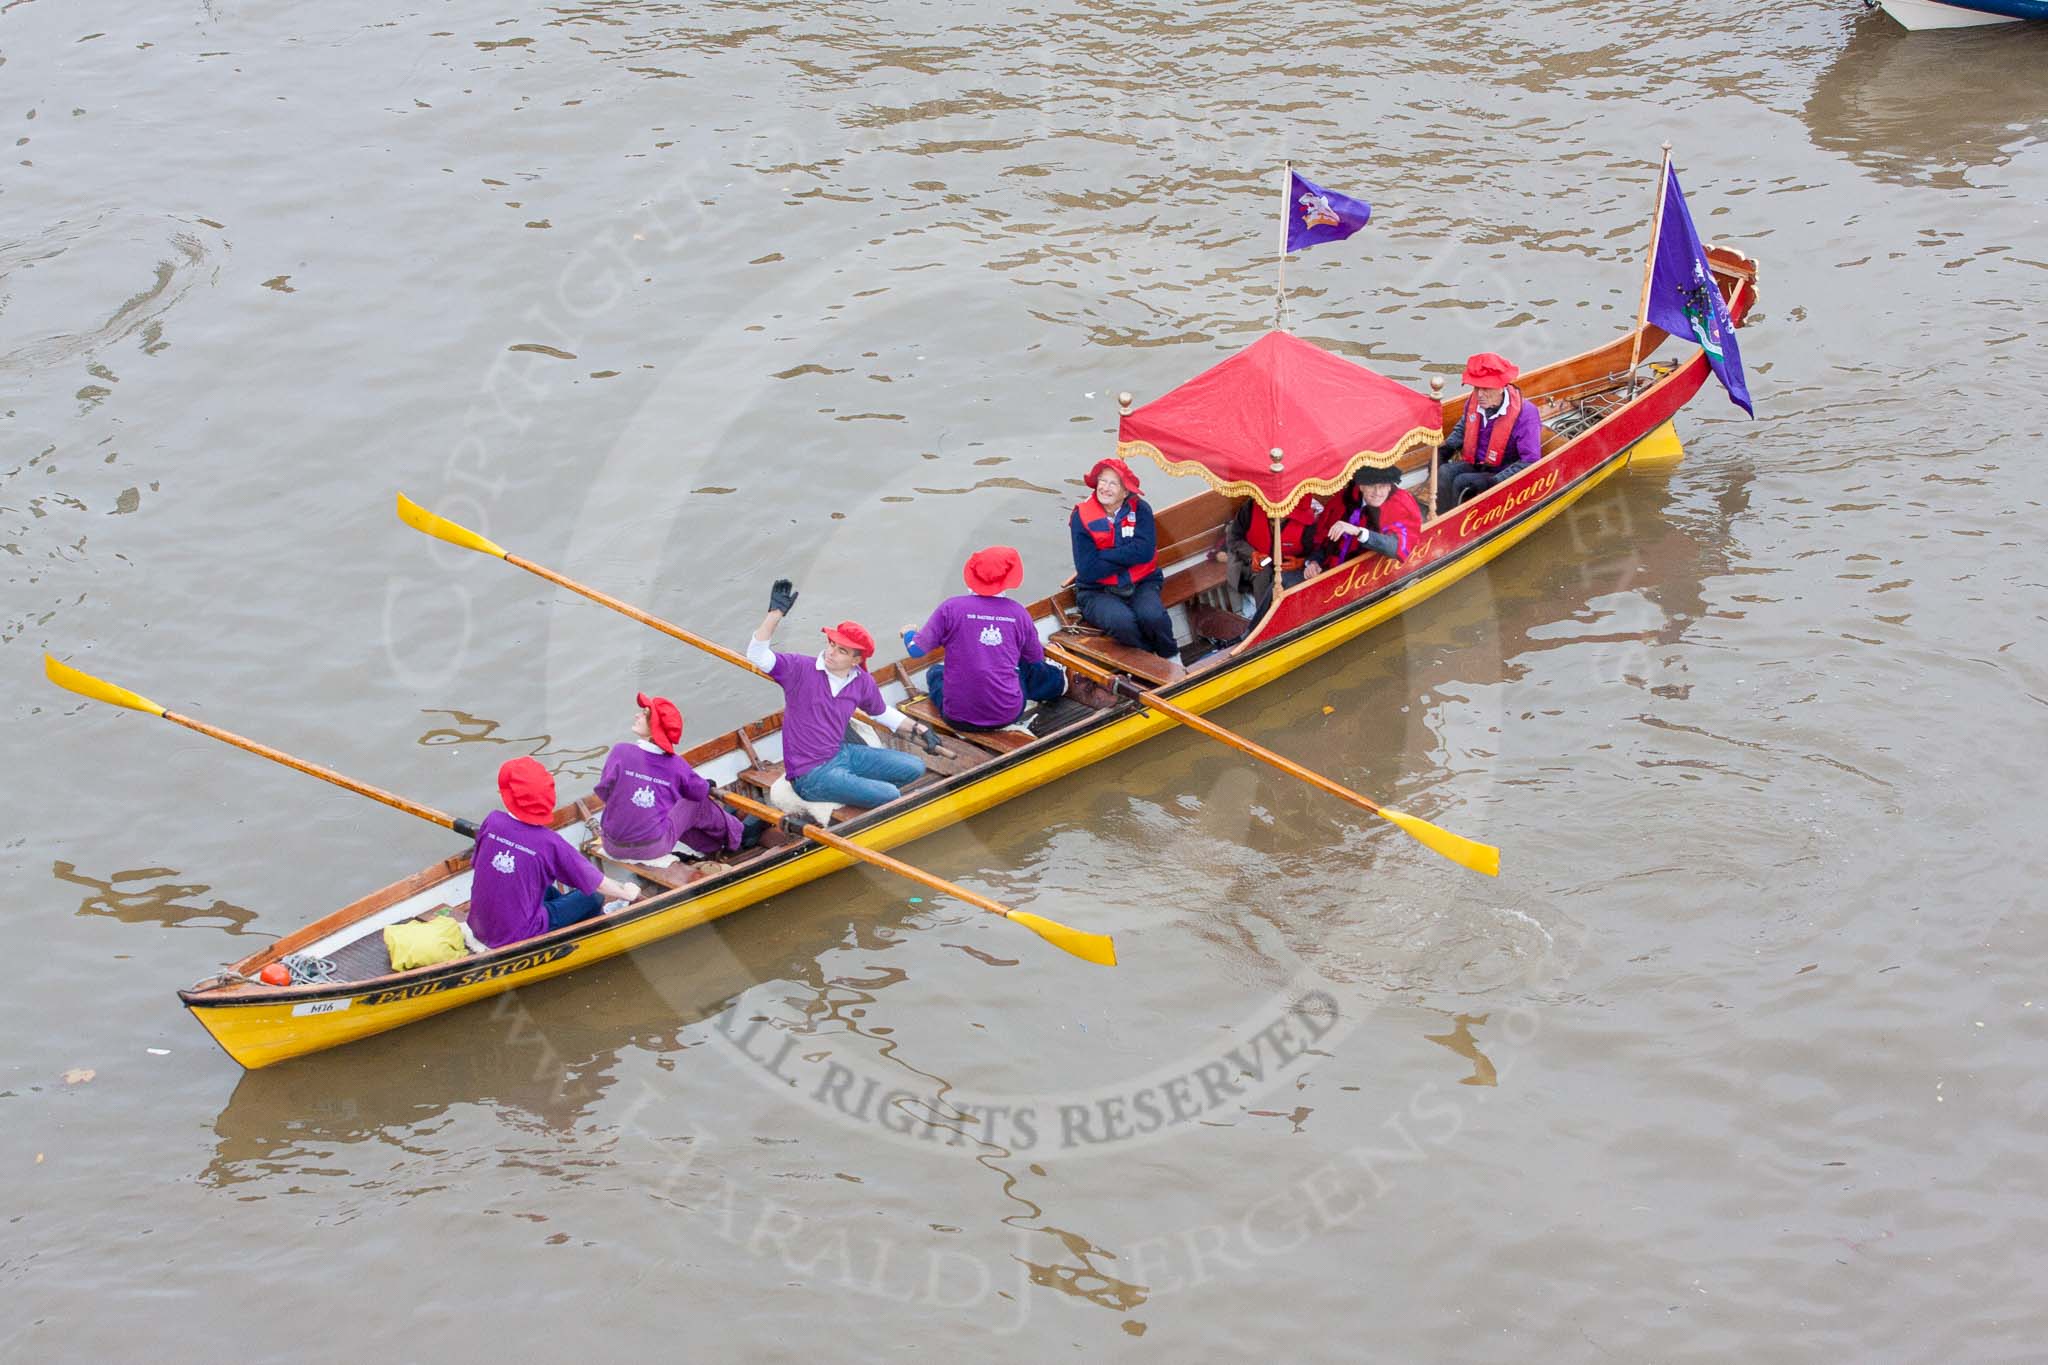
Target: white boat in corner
[{"x": 1923, "y": 14}]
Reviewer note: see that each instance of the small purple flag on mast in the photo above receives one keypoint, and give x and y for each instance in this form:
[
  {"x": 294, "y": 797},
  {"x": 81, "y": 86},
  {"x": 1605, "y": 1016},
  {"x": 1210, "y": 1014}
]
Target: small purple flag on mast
[
  {"x": 1683, "y": 298},
  {"x": 1316, "y": 215}
]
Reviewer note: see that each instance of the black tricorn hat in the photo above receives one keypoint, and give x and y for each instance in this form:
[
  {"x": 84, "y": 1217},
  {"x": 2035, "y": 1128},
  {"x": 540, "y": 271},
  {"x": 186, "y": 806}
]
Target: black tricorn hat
[{"x": 1376, "y": 473}]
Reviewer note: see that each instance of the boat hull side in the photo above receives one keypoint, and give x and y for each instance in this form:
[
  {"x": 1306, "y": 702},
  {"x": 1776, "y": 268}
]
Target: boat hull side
[
  {"x": 1921, "y": 15},
  {"x": 259, "y": 1028}
]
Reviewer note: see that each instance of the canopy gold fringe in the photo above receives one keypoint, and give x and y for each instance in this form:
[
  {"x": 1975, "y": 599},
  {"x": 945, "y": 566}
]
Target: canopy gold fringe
[{"x": 1421, "y": 438}]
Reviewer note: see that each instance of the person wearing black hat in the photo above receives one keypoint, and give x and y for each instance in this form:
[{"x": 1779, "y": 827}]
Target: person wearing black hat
[{"x": 1374, "y": 515}]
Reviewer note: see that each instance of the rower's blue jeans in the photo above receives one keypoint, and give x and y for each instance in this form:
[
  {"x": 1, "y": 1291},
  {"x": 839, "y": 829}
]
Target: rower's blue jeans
[
  {"x": 1040, "y": 682},
  {"x": 570, "y": 907},
  {"x": 859, "y": 775}
]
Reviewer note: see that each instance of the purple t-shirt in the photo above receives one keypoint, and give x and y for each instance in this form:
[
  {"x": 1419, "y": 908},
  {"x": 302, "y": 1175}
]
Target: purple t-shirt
[
  {"x": 813, "y": 720},
  {"x": 984, "y": 639},
  {"x": 652, "y": 799},
  {"x": 516, "y": 864}
]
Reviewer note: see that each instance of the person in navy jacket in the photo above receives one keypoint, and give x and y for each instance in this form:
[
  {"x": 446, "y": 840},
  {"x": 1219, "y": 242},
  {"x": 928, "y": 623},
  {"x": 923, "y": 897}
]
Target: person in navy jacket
[{"x": 1116, "y": 567}]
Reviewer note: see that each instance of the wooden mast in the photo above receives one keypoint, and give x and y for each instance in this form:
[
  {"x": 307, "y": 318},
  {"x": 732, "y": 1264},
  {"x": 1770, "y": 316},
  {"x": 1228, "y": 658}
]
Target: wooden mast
[{"x": 1635, "y": 353}]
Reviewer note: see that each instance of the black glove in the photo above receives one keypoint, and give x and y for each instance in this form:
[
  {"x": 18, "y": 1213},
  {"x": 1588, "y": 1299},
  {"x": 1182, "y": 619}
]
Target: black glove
[
  {"x": 927, "y": 738},
  {"x": 782, "y": 596}
]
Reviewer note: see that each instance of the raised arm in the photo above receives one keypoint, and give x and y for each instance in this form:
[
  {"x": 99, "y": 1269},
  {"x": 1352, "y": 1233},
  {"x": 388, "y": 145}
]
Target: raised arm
[{"x": 781, "y": 597}]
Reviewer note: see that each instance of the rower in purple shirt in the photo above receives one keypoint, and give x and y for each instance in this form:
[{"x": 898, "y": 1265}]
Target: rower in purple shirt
[
  {"x": 819, "y": 696},
  {"x": 654, "y": 800},
  {"x": 995, "y": 661},
  {"x": 1499, "y": 435},
  {"x": 519, "y": 860}
]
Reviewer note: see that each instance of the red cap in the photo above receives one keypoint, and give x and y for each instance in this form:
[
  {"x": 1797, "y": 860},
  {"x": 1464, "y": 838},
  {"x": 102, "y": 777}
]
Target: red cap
[
  {"x": 528, "y": 790},
  {"x": 996, "y": 569},
  {"x": 1123, "y": 471},
  {"x": 1489, "y": 371},
  {"x": 664, "y": 722},
  {"x": 853, "y": 635}
]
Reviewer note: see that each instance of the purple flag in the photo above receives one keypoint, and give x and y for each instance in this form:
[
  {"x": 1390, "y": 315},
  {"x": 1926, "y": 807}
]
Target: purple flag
[
  {"x": 1684, "y": 300},
  {"x": 1316, "y": 215}
]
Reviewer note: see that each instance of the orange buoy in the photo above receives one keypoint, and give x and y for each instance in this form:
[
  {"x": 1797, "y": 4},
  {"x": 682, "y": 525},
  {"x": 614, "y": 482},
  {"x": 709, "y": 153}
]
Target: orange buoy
[{"x": 276, "y": 974}]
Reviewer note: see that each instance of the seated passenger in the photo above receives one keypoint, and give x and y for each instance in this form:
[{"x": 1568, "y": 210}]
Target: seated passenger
[
  {"x": 819, "y": 695},
  {"x": 519, "y": 860},
  {"x": 1116, "y": 572},
  {"x": 1374, "y": 514},
  {"x": 995, "y": 661},
  {"x": 1499, "y": 435},
  {"x": 1248, "y": 548},
  {"x": 661, "y": 800}
]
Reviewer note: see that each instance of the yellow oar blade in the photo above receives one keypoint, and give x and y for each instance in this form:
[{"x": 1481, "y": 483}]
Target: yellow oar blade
[
  {"x": 1097, "y": 948},
  {"x": 86, "y": 685},
  {"x": 440, "y": 528},
  {"x": 1467, "y": 852}
]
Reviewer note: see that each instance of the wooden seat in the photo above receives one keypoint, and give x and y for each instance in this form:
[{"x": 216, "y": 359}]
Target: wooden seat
[
  {"x": 1104, "y": 649},
  {"x": 675, "y": 876},
  {"x": 1192, "y": 582},
  {"x": 998, "y": 741}
]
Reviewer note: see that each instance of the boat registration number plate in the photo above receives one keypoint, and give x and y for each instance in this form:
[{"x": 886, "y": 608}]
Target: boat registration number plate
[{"x": 323, "y": 1006}]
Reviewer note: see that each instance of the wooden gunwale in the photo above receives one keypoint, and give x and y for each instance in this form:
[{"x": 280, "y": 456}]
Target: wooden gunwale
[{"x": 1210, "y": 682}]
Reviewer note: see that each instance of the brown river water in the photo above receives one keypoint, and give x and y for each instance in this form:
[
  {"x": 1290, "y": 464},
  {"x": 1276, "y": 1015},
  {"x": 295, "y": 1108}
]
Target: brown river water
[{"x": 1739, "y": 1059}]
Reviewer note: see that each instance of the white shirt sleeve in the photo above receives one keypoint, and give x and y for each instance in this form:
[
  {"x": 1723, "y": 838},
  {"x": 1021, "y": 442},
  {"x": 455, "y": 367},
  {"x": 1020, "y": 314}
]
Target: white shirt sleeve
[
  {"x": 893, "y": 718},
  {"x": 760, "y": 654}
]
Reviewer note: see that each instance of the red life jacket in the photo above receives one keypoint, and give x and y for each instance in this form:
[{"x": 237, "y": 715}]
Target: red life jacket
[
  {"x": 1297, "y": 534},
  {"x": 1095, "y": 522},
  {"x": 1496, "y": 436}
]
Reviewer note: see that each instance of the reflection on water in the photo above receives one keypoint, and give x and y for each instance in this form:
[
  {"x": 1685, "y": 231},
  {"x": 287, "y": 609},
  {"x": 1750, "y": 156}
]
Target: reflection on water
[
  {"x": 1460, "y": 1041},
  {"x": 544, "y": 1058},
  {"x": 1927, "y": 109},
  {"x": 1084, "y": 1278},
  {"x": 143, "y": 895},
  {"x": 541, "y": 1064}
]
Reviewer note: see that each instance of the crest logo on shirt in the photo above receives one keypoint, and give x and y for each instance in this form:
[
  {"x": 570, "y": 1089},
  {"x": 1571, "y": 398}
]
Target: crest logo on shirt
[
  {"x": 991, "y": 634},
  {"x": 1316, "y": 212},
  {"x": 504, "y": 861},
  {"x": 643, "y": 797}
]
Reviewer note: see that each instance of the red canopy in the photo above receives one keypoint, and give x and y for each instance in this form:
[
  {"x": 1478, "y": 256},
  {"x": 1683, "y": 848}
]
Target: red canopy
[{"x": 1325, "y": 414}]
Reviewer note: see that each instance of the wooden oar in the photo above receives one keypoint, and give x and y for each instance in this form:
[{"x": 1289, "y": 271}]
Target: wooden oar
[
  {"x": 440, "y": 528},
  {"x": 1097, "y": 948},
  {"x": 1467, "y": 852},
  {"x": 86, "y": 685}
]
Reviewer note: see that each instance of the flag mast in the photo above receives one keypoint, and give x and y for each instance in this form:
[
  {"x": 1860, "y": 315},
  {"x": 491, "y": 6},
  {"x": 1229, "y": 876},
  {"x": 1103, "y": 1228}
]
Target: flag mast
[
  {"x": 1635, "y": 352},
  {"x": 1280, "y": 293}
]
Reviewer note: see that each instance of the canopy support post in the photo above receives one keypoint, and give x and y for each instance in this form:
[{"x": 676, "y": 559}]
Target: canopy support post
[{"x": 1436, "y": 454}]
